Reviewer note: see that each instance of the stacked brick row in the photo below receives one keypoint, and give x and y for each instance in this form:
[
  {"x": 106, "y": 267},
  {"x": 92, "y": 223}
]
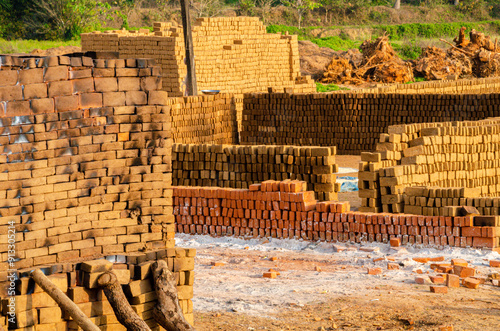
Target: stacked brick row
[
  {"x": 232, "y": 54},
  {"x": 448, "y": 201},
  {"x": 85, "y": 159},
  {"x": 351, "y": 121},
  {"x": 466, "y": 86},
  {"x": 424, "y": 168},
  {"x": 204, "y": 119},
  {"x": 240, "y": 166},
  {"x": 286, "y": 210},
  {"x": 36, "y": 310}
]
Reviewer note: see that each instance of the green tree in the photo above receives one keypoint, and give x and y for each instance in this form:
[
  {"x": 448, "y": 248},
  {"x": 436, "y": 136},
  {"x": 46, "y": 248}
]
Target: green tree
[
  {"x": 63, "y": 19},
  {"x": 301, "y": 7},
  {"x": 11, "y": 18}
]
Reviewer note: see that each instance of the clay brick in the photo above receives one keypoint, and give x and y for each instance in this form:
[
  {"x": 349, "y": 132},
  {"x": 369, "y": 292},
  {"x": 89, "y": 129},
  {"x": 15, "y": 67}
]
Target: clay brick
[
  {"x": 31, "y": 76},
  {"x": 11, "y": 93},
  {"x": 8, "y": 77},
  {"x": 108, "y": 84},
  {"x": 83, "y": 85},
  {"x": 54, "y": 74},
  {"x": 60, "y": 88},
  {"x": 135, "y": 98},
  {"x": 42, "y": 105},
  {"x": 452, "y": 280},
  {"x": 459, "y": 262},
  {"x": 129, "y": 84},
  {"x": 437, "y": 279},
  {"x": 35, "y": 91},
  {"x": 395, "y": 242},
  {"x": 65, "y": 103},
  {"x": 100, "y": 265},
  {"x": 113, "y": 99},
  {"x": 439, "y": 289},
  {"x": 495, "y": 263},
  {"x": 157, "y": 98},
  {"x": 81, "y": 73},
  {"x": 463, "y": 272},
  {"x": 18, "y": 108},
  {"x": 91, "y": 100},
  {"x": 374, "y": 271},
  {"x": 471, "y": 283},
  {"x": 420, "y": 280}
]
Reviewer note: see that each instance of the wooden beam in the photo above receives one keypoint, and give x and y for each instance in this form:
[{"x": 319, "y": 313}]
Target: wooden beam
[
  {"x": 63, "y": 301},
  {"x": 123, "y": 311},
  {"x": 191, "y": 86}
]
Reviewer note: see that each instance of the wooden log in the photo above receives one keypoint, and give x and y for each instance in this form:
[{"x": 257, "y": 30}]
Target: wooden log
[
  {"x": 124, "y": 313},
  {"x": 63, "y": 301},
  {"x": 191, "y": 85},
  {"x": 167, "y": 312}
]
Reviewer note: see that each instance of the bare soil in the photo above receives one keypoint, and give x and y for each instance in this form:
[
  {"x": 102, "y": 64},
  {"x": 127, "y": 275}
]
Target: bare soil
[{"x": 331, "y": 292}]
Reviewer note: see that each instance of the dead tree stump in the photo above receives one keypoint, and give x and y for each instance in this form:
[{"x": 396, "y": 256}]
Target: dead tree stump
[
  {"x": 124, "y": 313},
  {"x": 63, "y": 301},
  {"x": 167, "y": 312}
]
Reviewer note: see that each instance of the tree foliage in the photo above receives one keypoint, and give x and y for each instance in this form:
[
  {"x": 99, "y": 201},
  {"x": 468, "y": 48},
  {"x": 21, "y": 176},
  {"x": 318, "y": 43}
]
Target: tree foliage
[{"x": 301, "y": 7}]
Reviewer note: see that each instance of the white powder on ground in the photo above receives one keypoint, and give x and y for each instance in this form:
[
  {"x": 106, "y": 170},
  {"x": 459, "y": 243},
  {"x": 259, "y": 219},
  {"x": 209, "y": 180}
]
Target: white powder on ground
[{"x": 239, "y": 285}]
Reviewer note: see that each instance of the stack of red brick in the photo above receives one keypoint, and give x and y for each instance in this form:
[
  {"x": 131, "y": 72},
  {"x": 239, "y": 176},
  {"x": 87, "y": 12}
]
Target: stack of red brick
[{"x": 285, "y": 210}]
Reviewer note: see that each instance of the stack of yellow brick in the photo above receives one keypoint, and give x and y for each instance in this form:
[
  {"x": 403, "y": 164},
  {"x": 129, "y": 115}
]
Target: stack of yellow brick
[
  {"x": 232, "y": 54},
  {"x": 240, "y": 166},
  {"x": 447, "y": 164}
]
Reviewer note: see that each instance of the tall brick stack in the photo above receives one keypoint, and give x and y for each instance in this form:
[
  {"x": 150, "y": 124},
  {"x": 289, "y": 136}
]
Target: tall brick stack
[
  {"x": 36, "y": 310},
  {"x": 85, "y": 162},
  {"x": 240, "y": 166},
  {"x": 425, "y": 168},
  {"x": 352, "y": 121},
  {"x": 286, "y": 210},
  {"x": 80, "y": 138},
  {"x": 204, "y": 119},
  {"x": 232, "y": 54}
]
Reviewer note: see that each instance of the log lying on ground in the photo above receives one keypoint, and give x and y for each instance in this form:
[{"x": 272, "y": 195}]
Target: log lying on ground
[
  {"x": 167, "y": 312},
  {"x": 124, "y": 313},
  {"x": 63, "y": 301}
]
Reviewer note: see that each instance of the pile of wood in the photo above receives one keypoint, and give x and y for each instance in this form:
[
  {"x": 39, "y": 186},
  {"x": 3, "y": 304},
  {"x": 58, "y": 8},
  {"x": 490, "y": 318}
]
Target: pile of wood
[
  {"x": 379, "y": 64},
  {"x": 137, "y": 292},
  {"x": 478, "y": 56}
]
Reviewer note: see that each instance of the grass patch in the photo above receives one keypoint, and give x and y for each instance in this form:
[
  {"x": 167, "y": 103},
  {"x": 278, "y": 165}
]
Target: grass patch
[
  {"x": 329, "y": 88},
  {"x": 336, "y": 43},
  {"x": 417, "y": 80},
  {"x": 26, "y": 46}
]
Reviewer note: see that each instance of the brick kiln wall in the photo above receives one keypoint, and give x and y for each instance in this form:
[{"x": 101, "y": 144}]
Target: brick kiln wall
[
  {"x": 240, "y": 166},
  {"x": 85, "y": 158},
  {"x": 285, "y": 209},
  {"x": 351, "y": 121},
  {"x": 232, "y": 54},
  {"x": 432, "y": 168}
]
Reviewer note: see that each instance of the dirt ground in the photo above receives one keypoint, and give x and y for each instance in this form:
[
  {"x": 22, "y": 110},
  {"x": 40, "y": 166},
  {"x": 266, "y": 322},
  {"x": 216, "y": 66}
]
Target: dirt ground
[{"x": 321, "y": 289}]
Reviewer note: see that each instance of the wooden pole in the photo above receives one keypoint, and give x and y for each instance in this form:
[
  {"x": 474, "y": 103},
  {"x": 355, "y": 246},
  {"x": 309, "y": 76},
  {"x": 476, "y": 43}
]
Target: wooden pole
[
  {"x": 191, "y": 86},
  {"x": 167, "y": 312},
  {"x": 124, "y": 313},
  {"x": 63, "y": 301}
]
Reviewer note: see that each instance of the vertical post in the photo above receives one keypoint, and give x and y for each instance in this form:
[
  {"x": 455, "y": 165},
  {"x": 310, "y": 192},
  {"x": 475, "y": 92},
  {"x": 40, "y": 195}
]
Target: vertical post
[{"x": 188, "y": 43}]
